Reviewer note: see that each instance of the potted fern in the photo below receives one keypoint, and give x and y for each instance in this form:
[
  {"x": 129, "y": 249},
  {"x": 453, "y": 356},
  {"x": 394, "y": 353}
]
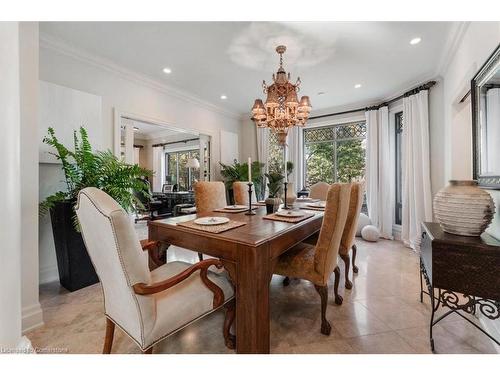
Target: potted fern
[{"x": 83, "y": 168}]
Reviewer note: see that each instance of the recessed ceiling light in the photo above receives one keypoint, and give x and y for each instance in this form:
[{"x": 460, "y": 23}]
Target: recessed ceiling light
[
  {"x": 167, "y": 70},
  {"x": 136, "y": 129},
  {"x": 223, "y": 97},
  {"x": 415, "y": 41},
  {"x": 357, "y": 85}
]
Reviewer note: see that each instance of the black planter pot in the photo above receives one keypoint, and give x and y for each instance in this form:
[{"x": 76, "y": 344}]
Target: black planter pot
[{"x": 73, "y": 262}]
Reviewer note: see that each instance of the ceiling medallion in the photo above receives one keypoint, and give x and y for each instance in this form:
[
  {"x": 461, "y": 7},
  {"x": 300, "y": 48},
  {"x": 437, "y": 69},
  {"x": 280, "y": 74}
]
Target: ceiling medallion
[{"x": 282, "y": 109}]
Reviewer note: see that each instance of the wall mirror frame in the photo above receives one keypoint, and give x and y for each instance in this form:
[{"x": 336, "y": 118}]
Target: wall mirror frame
[{"x": 486, "y": 122}]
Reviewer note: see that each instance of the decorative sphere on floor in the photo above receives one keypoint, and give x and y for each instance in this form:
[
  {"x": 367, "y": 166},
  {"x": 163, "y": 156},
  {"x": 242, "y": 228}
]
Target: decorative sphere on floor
[
  {"x": 370, "y": 233},
  {"x": 363, "y": 221}
]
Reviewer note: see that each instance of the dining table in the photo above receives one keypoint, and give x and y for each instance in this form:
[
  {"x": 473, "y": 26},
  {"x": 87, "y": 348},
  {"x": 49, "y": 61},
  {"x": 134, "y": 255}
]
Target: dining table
[{"x": 249, "y": 254}]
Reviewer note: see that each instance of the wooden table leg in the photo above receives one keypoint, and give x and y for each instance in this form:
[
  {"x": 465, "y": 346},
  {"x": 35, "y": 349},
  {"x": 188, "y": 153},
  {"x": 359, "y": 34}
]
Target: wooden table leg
[{"x": 252, "y": 299}]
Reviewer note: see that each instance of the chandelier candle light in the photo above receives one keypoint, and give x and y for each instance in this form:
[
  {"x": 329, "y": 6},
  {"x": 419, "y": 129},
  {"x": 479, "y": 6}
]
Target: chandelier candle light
[{"x": 282, "y": 109}]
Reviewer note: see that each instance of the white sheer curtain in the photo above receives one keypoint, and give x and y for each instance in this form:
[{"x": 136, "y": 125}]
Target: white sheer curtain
[
  {"x": 379, "y": 179},
  {"x": 158, "y": 168},
  {"x": 293, "y": 155},
  {"x": 263, "y": 145},
  {"x": 263, "y": 150},
  {"x": 416, "y": 194}
]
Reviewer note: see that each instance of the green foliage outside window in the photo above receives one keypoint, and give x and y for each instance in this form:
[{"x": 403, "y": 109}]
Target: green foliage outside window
[{"x": 335, "y": 153}]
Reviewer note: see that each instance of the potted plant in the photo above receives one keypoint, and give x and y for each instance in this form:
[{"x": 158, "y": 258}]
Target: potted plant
[
  {"x": 274, "y": 185},
  {"x": 275, "y": 181},
  {"x": 239, "y": 172},
  {"x": 83, "y": 168}
]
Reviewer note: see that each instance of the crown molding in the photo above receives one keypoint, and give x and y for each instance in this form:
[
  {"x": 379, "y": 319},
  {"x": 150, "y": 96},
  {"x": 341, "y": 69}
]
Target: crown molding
[
  {"x": 59, "y": 46},
  {"x": 452, "y": 43}
]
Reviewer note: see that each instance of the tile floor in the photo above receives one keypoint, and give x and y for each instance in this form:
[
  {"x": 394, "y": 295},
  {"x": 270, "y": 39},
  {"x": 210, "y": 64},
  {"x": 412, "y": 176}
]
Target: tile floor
[{"x": 381, "y": 314}]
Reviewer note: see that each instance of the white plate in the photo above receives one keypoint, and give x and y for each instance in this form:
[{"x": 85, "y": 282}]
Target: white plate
[
  {"x": 235, "y": 207},
  {"x": 307, "y": 199},
  {"x": 290, "y": 213},
  {"x": 211, "y": 220},
  {"x": 317, "y": 205}
]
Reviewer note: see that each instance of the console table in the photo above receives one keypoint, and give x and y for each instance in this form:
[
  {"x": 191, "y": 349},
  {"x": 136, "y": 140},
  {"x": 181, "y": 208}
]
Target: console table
[{"x": 461, "y": 273}]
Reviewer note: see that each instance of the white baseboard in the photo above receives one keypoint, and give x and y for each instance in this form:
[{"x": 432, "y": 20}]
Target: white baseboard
[
  {"x": 24, "y": 346},
  {"x": 48, "y": 274},
  {"x": 32, "y": 317}
]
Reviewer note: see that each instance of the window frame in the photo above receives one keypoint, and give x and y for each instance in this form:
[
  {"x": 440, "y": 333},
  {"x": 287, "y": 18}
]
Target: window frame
[
  {"x": 334, "y": 124},
  {"x": 177, "y": 167}
]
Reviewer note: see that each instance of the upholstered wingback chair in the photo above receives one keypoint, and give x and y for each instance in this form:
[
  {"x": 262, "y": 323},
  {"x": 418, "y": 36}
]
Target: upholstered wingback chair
[
  {"x": 347, "y": 242},
  {"x": 209, "y": 195},
  {"x": 319, "y": 190},
  {"x": 317, "y": 262},
  {"x": 147, "y": 306},
  {"x": 240, "y": 191}
]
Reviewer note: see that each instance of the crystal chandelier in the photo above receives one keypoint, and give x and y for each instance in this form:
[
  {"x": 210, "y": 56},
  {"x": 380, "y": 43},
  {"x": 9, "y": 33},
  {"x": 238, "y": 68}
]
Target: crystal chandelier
[{"x": 282, "y": 109}]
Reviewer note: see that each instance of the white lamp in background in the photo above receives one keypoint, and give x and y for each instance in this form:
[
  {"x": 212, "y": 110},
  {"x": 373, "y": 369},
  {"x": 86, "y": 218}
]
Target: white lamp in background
[{"x": 193, "y": 163}]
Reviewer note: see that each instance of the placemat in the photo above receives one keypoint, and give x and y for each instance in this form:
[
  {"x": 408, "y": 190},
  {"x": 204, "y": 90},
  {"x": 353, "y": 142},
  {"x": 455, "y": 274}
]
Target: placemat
[
  {"x": 313, "y": 208},
  {"x": 288, "y": 219},
  {"x": 212, "y": 228},
  {"x": 228, "y": 211}
]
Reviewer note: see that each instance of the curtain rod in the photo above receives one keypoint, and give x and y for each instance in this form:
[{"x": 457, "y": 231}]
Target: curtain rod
[
  {"x": 416, "y": 90},
  {"x": 171, "y": 143}
]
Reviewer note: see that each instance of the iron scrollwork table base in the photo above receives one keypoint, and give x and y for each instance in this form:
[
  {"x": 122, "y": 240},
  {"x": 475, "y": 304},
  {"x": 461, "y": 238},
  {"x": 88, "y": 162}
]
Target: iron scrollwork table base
[
  {"x": 457, "y": 303},
  {"x": 462, "y": 274}
]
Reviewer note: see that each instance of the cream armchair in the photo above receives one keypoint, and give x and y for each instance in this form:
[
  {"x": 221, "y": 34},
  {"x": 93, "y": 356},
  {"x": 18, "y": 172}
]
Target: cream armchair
[{"x": 147, "y": 305}]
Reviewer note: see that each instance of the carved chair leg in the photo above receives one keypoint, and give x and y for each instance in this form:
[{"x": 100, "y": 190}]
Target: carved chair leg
[
  {"x": 338, "y": 297},
  {"x": 149, "y": 351},
  {"x": 229, "y": 339},
  {"x": 286, "y": 281},
  {"x": 108, "y": 340},
  {"x": 347, "y": 263},
  {"x": 326, "y": 328},
  {"x": 200, "y": 256},
  {"x": 354, "y": 251}
]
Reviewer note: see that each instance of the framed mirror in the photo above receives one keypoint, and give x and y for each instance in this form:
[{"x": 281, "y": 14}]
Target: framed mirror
[{"x": 485, "y": 96}]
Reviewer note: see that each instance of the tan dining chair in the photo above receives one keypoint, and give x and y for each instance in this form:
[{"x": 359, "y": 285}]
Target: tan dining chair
[
  {"x": 209, "y": 195},
  {"x": 348, "y": 237},
  {"x": 240, "y": 191},
  {"x": 316, "y": 263},
  {"x": 148, "y": 306},
  {"x": 347, "y": 242},
  {"x": 319, "y": 190}
]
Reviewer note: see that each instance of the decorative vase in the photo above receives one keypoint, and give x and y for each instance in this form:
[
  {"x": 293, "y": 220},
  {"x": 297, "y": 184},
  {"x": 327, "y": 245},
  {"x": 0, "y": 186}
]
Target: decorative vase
[
  {"x": 272, "y": 205},
  {"x": 291, "y": 197},
  {"x": 463, "y": 208}
]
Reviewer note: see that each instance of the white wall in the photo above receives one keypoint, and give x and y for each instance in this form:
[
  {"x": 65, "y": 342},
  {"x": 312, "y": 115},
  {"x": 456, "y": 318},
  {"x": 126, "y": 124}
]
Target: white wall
[
  {"x": 18, "y": 254},
  {"x": 31, "y": 311},
  {"x": 248, "y": 139},
  {"x": 130, "y": 93},
  {"x": 10, "y": 197},
  {"x": 478, "y": 42}
]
